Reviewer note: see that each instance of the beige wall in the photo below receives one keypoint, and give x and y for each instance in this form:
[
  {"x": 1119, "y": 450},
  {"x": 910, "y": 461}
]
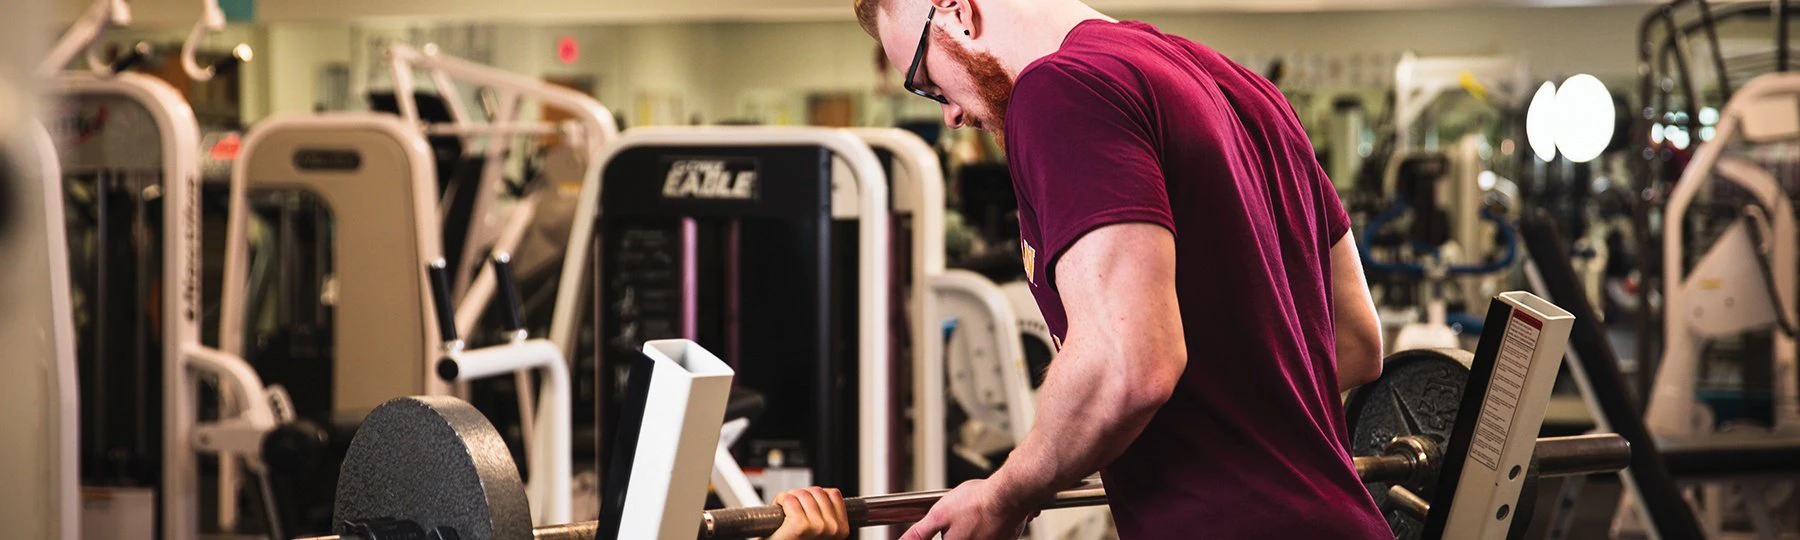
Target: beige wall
[
  {"x": 668, "y": 72},
  {"x": 1560, "y": 41},
  {"x": 557, "y": 11}
]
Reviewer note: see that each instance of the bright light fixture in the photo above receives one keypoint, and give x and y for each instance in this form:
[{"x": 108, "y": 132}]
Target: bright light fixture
[
  {"x": 1540, "y": 123},
  {"x": 1583, "y": 117}
]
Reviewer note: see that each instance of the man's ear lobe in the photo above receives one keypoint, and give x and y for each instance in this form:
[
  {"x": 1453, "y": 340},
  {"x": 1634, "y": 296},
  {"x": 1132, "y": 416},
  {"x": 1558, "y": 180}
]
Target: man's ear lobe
[
  {"x": 968, "y": 14},
  {"x": 964, "y": 12}
]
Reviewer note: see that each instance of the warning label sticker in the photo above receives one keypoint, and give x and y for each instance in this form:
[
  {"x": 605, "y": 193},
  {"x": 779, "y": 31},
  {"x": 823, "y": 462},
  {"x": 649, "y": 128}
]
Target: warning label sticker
[{"x": 1508, "y": 381}]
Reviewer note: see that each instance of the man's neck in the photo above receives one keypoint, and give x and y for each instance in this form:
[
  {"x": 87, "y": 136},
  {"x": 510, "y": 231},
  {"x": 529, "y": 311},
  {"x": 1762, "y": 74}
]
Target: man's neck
[{"x": 1040, "y": 32}]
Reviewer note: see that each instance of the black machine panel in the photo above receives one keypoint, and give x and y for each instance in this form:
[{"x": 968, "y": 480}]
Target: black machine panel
[{"x": 735, "y": 248}]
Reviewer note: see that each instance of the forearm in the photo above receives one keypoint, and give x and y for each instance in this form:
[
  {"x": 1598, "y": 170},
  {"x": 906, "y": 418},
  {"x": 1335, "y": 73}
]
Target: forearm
[{"x": 1088, "y": 413}]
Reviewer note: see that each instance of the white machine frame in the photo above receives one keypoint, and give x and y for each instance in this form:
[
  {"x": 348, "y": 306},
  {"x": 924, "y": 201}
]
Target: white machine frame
[
  {"x": 82, "y": 36},
  {"x": 917, "y": 182},
  {"x": 41, "y": 324},
  {"x": 237, "y": 263},
  {"x": 549, "y": 453},
  {"x": 872, "y": 241},
  {"x": 1418, "y": 81},
  {"x": 590, "y": 132},
  {"x": 680, "y": 428},
  {"x": 247, "y": 403},
  {"x": 550, "y": 458},
  {"x": 1524, "y": 374},
  {"x": 995, "y": 365},
  {"x": 212, "y": 21},
  {"x": 593, "y": 129},
  {"x": 1723, "y": 295}
]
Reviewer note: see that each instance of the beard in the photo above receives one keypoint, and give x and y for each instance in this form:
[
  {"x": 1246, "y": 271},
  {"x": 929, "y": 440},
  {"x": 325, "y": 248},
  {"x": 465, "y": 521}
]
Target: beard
[{"x": 993, "y": 87}]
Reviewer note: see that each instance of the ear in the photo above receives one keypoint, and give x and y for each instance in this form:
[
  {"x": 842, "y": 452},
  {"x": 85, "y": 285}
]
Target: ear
[{"x": 967, "y": 16}]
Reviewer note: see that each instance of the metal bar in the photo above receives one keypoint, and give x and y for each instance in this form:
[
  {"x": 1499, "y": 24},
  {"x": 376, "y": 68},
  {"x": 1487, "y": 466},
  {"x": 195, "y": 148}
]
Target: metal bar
[
  {"x": 736, "y": 523},
  {"x": 1649, "y": 476},
  {"x": 1642, "y": 197},
  {"x": 1781, "y": 35},
  {"x": 1710, "y": 24},
  {"x": 1556, "y": 456},
  {"x": 495, "y": 129},
  {"x": 1582, "y": 454},
  {"x": 572, "y": 531},
  {"x": 1409, "y": 502},
  {"x": 1685, "y": 70},
  {"x": 760, "y": 521},
  {"x": 1562, "y": 514},
  {"x": 1387, "y": 469}
]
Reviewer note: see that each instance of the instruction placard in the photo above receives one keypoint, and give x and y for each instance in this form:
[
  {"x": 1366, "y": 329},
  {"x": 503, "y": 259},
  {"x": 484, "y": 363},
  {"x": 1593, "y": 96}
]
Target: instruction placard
[{"x": 1508, "y": 381}]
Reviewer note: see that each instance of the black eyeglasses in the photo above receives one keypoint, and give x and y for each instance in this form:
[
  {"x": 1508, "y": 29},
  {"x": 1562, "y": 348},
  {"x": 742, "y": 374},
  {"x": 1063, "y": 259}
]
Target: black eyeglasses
[{"x": 919, "y": 60}]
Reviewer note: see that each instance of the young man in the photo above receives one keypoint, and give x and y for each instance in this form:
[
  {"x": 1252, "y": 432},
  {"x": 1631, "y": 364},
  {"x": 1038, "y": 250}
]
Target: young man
[{"x": 1191, "y": 258}]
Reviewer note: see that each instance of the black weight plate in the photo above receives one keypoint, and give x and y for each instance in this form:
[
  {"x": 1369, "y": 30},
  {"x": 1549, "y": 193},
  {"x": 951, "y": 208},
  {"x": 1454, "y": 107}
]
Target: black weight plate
[
  {"x": 1418, "y": 393},
  {"x": 437, "y": 462}
]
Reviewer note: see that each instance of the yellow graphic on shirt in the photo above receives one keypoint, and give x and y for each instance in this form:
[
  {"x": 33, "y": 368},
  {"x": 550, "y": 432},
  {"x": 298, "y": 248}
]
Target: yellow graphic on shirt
[
  {"x": 1057, "y": 341},
  {"x": 1030, "y": 257}
]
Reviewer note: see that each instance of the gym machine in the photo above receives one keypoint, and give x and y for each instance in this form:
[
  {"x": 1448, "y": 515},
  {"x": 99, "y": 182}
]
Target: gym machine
[
  {"x": 1418, "y": 82},
  {"x": 131, "y": 135},
  {"x": 472, "y": 222},
  {"x": 1744, "y": 282},
  {"x": 1444, "y": 241},
  {"x": 41, "y": 392},
  {"x": 916, "y": 262},
  {"x": 144, "y": 136},
  {"x": 364, "y": 182},
  {"x": 742, "y": 217},
  {"x": 1449, "y": 438},
  {"x": 470, "y": 212}
]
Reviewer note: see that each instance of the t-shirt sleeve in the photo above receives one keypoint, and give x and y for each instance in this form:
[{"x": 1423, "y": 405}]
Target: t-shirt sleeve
[
  {"x": 1337, "y": 221},
  {"x": 1085, "y": 157}
]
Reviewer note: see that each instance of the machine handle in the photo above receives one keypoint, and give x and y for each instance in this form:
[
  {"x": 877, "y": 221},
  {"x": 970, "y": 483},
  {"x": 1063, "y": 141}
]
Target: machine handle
[
  {"x": 509, "y": 290},
  {"x": 436, "y": 273}
]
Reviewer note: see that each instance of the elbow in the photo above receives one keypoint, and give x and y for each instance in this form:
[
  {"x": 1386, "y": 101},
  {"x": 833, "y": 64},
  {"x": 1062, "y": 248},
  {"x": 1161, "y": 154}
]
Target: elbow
[
  {"x": 1139, "y": 395},
  {"x": 1368, "y": 371},
  {"x": 1360, "y": 364}
]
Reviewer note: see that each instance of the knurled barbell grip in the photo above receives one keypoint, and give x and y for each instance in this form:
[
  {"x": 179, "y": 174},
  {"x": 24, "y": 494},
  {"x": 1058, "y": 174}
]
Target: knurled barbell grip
[
  {"x": 895, "y": 509},
  {"x": 758, "y": 521}
]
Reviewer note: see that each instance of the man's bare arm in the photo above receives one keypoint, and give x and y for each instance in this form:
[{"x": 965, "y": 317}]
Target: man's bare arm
[
  {"x": 1358, "y": 324},
  {"x": 1119, "y": 363}
]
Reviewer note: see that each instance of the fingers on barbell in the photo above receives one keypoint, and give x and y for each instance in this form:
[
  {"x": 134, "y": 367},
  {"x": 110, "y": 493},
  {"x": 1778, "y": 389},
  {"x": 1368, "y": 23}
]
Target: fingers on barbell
[
  {"x": 815, "y": 516},
  {"x": 927, "y": 528},
  {"x": 834, "y": 499}
]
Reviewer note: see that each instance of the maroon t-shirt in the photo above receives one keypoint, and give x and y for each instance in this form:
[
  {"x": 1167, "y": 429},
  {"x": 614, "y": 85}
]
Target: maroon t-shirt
[{"x": 1127, "y": 124}]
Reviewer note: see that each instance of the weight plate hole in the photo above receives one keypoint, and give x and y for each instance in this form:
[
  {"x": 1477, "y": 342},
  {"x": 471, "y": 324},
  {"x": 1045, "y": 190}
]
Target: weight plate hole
[
  {"x": 1503, "y": 511},
  {"x": 1514, "y": 473}
]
